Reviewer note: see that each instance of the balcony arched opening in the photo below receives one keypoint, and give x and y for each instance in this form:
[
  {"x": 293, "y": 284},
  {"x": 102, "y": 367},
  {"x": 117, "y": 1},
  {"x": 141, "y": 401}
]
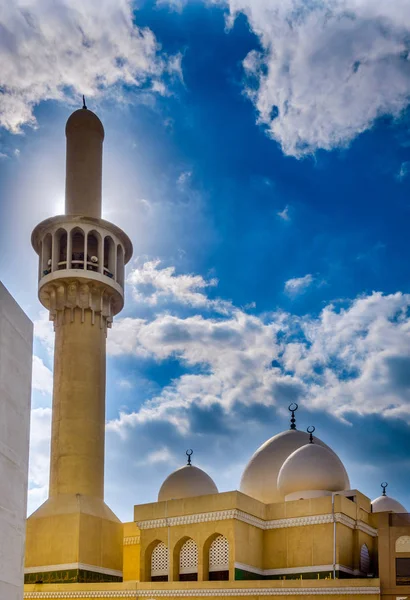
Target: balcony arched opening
[
  {"x": 77, "y": 248},
  {"x": 60, "y": 250},
  {"x": 40, "y": 261},
  {"x": 120, "y": 265},
  {"x": 46, "y": 253},
  {"x": 93, "y": 251},
  {"x": 109, "y": 257}
]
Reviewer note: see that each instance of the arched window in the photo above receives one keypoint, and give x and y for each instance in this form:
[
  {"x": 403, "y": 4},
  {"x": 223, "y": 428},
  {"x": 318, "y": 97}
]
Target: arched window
[
  {"x": 188, "y": 561},
  {"x": 160, "y": 563},
  {"x": 403, "y": 544},
  {"x": 109, "y": 257},
  {"x": 93, "y": 251},
  {"x": 219, "y": 559},
  {"x": 46, "y": 255},
  {"x": 120, "y": 265},
  {"x": 60, "y": 252},
  {"x": 364, "y": 559},
  {"x": 77, "y": 249}
]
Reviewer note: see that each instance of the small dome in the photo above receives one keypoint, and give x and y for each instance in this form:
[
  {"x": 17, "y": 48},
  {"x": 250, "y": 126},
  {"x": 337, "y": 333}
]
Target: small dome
[
  {"x": 84, "y": 119},
  {"x": 311, "y": 471},
  {"x": 387, "y": 504},
  {"x": 259, "y": 479},
  {"x": 186, "y": 482}
]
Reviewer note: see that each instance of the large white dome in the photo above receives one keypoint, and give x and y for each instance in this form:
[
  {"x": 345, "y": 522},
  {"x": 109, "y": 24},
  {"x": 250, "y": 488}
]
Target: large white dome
[
  {"x": 310, "y": 471},
  {"x": 186, "y": 482},
  {"x": 387, "y": 504},
  {"x": 259, "y": 479}
]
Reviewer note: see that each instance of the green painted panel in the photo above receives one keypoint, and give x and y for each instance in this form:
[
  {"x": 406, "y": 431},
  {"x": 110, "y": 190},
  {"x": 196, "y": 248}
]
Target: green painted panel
[
  {"x": 70, "y": 576},
  {"x": 242, "y": 575}
]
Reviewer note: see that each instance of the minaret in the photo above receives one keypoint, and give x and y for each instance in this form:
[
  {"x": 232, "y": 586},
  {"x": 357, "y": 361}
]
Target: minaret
[{"x": 74, "y": 536}]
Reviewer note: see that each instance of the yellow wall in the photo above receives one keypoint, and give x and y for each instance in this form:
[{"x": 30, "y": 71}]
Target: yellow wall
[
  {"x": 132, "y": 552},
  {"x": 72, "y": 528},
  {"x": 248, "y": 544}
]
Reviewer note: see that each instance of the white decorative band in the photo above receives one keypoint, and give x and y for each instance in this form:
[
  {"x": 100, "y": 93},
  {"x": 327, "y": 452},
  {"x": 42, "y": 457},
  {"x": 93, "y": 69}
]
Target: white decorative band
[
  {"x": 188, "y": 570},
  {"x": 152, "y": 594},
  {"x": 361, "y": 526},
  {"x": 69, "y": 566},
  {"x": 131, "y": 541},
  {"x": 224, "y": 515},
  {"x": 221, "y": 567}
]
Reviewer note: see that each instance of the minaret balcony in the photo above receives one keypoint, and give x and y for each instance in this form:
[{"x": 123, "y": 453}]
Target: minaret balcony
[{"x": 83, "y": 249}]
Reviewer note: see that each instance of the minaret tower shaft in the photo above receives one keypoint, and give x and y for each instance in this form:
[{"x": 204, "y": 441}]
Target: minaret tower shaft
[{"x": 81, "y": 280}]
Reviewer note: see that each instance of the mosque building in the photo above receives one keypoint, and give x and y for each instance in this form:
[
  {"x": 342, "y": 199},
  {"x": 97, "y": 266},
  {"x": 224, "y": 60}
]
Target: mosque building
[{"x": 295, "y": 528}]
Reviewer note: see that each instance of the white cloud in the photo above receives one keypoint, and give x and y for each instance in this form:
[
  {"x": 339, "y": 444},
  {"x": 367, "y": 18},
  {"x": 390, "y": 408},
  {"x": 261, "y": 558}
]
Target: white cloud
[
  {"x": 153, "y": 284},
  {"x": 328, "y": 69},
  {"x": 40, "y": 435},
  {"x": 42, "y": 378},
  {"x": 284, "y": 214},
  {"x": 125, "y": 384},
  {"x": 298, "y": 285},
  {"x": 352, "y": 358},
  {"x": 162, "y": 455},
  {"x": 59, "y": 50},
  {"x": 404, "y": 171},
  {"x": 184, "y": 178},
  {"x": 175, "y": 5},
  {"x": 43, "y": 331}
]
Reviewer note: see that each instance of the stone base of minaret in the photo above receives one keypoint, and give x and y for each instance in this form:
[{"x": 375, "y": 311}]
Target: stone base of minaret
[{"x": 73, "y": 538}]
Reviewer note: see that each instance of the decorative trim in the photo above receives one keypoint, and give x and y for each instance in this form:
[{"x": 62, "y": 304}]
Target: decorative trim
[
  {"x": 290, "y": 591},
  {"x": 70, "y": 566},
  {"x": 239, "y": 515},
  {"x": 132, "y": 540},
  {"x": 361, "y": 526},
  {"x": 67, "y": 289},
  {"x": 221, "y": 515}
]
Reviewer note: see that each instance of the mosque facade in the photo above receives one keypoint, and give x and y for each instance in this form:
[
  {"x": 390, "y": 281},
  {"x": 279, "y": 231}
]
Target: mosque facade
[{"x": 295, "y": 527}]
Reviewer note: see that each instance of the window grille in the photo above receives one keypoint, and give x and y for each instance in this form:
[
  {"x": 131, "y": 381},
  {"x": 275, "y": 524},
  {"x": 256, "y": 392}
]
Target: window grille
[
  {"x": 403, "y": 544},
  {"x": 188, "y": 558},
  {"x": 159, "y": 560},
  {"x": 219, "y": 554},
  {"x": 364, "y": 559}
]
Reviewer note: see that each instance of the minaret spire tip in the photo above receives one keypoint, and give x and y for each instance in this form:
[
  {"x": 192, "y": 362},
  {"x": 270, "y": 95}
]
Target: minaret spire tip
[
  {"x": 292, "y": 409},
  {"x": 310, "y": 431}
]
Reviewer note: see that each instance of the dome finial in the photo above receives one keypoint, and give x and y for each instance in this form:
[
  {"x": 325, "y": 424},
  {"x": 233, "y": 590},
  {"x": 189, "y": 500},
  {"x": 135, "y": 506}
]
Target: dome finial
[
  {"x": 84, "y": 104},
  {"x": 293, "y": 408},
  {"x": 384, "y": 486},
  {"x": 310, "y": 431},
  {"x": 189, "y": 453}
]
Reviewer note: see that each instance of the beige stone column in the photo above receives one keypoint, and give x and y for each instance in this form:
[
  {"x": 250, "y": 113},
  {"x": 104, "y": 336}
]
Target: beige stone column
[{"x": 77, "y": 439}]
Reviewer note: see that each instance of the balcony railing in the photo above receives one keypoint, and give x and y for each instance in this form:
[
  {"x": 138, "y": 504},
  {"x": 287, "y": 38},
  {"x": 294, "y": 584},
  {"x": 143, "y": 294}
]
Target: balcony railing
[{"x": 77, "y": 262}]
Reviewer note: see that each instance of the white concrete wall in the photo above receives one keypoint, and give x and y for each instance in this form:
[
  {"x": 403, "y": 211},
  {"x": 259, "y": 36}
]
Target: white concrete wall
[{"x": 16, "y": 337}]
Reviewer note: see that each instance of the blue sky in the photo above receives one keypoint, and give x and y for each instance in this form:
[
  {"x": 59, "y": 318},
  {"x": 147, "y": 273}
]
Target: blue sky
[{"x": 257, "y": 153}]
